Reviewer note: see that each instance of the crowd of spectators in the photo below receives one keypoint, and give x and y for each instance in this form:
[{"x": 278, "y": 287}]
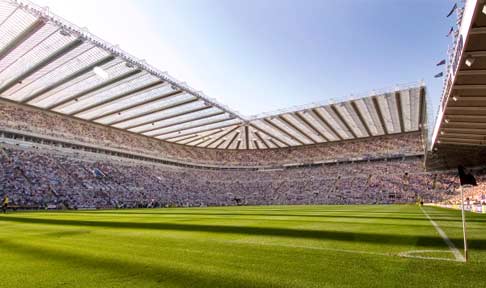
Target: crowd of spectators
[
  {"x": 35, "y": 121},
  {"x": 42, "y": 176},
  {"x": 37, "y": 175}
]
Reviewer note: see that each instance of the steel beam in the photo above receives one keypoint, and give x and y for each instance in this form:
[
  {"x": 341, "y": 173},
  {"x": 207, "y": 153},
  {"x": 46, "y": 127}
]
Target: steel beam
[
  {"x": 261, "y": 139},
  {"x": 201, "y": 131},
  {"x": 297, "y": 129},
  {"x": 22, "y": 37},
  {"x": 361, "y": 118},
  {"x": 380, "y": 114},
  {"x": 341, "y": 118},
  {"x": 199, "y": 137},
  {"x": 247, "y": 141},
  {"x": 423, "y": 108},
  {"x": 398, "y": 101},
  {"x": 168, "y": 117},
  {"x": 93, "y": 89},
  {"x": 309, "y": 125},
  {"x": 181, "y": 122},
  {"x": 318, "y": 117},
  {"x": 136, "y": 105},
  {"x": 232, "y": 139},
  {"x": 222, "y": 135},
  {"x": 68, "y": 78},
  {"x": 46, "y": 61},
  {"x": 220, "y": 143},
  {"x": 120, "y": 96},
  {"x": 194, "y": 126},
  {"x": 255, "y": 142},
  {"x": 270, "y": 135},
  {"x": 275, "y": 126},
  {"x": 164, "y": 108}
]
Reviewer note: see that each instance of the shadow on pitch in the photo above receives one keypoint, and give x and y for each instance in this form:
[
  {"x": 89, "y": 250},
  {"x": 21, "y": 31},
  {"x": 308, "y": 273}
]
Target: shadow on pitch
[
  {"x": 118, "y": 269},
  {"x": 385, "y": 239},
  {"x": 420, "y": 217}
]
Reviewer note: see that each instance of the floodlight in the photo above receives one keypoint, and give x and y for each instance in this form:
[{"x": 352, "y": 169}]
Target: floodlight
[
  {"x": 100, "y": 72},
  {"x": 469, "y": 61}
]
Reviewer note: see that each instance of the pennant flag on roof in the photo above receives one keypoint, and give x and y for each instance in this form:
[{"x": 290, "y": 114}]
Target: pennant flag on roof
[
  {"x": 450, "y": 32},
  {"x": 452, "y": 10},
  {"x": 442, "y": 62},
  {"x": 439, "y": 75}
]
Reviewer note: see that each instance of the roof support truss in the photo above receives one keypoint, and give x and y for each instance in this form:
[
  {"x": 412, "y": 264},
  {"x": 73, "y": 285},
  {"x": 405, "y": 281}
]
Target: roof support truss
[
  {"x": 270, "y": 135},
  {"x": 297, "y": 129},
  {"x": 163, "y": 96},
  {"x": 113, "y": 99},
  {"x": 222, "y": 135},
  {"x": 183, "y": 122},
  {"x": 360, "y": 117},
  {"x": 309, "y": 125},
  {"x": 94, "y": 89},
  {"x": 164, "y": 118},
  {"x": 398, "y": 100},
  {"x": 56, "y": 55},
  {"x": 68, "y": 78},
  {"x": 219, "y": 129},
  {"x": 318, "y": 117},
  {"x": 341, "y": 119},
  {"x": 193, "y": 126},
  {"x": 283, "y": 131},
  {"x": 21, "y": 38},
  {"x": 380, "y": 114},
  {"x": 232, "y": 139},
  {"x": 261, "y": 139}
]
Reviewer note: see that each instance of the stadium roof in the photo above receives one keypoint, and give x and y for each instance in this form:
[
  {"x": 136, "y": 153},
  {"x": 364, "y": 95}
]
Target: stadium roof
[
  {"x": 52, "y": 64},
  {"x": 462, "y": 114}
]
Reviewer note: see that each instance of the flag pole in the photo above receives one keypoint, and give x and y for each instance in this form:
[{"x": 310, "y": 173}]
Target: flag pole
[{"x": 463, "y": 223}]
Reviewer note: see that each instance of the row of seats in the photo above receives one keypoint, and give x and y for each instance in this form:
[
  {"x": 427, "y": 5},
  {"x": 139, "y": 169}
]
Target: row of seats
[
  {"x": 39, "y": 122},
  {"x": 39, "y": 176}
]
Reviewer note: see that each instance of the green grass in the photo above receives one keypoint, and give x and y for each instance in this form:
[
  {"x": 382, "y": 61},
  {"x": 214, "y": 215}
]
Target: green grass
[{"x": 273, "y": 246}]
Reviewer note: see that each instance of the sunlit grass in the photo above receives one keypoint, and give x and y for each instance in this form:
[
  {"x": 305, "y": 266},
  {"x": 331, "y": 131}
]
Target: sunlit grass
[{"x": 272, "y": 246}]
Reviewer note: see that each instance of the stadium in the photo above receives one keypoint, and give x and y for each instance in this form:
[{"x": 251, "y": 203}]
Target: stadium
[{"x": 116, "y": 174}]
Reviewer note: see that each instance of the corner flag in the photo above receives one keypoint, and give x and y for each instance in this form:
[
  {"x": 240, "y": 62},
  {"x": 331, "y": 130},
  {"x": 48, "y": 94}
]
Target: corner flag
[{"x": 466, "y": 178}]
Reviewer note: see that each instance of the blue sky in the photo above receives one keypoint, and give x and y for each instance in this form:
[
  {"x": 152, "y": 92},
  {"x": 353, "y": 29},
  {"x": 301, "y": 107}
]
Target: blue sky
[{"x": 263, "y": 55}]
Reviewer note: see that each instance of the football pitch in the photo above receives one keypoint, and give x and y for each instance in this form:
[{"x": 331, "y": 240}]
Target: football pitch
[{"x": 264, "y": 246}]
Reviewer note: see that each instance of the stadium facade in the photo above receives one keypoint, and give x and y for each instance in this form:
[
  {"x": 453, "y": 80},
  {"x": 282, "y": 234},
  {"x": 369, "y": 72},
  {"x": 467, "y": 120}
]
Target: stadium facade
[{"x": 86, "y": 125}]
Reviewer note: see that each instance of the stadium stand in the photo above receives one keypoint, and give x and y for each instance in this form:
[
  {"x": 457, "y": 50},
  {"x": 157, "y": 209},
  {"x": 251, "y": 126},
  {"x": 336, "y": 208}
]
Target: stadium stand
[
  {"x": 41, "y": 176},
  {"x": 22, "y": 119},
  {"x": 139, "y": 138}
]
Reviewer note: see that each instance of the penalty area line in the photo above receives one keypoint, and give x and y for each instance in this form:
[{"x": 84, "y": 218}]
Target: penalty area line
[{"x": 457, "y": 254}]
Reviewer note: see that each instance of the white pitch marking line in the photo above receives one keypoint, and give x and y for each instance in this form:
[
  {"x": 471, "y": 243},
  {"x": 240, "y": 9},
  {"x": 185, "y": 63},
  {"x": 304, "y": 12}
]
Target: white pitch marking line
[
  {"x": 312, "y": 248},
  {"x": 448, "y": 241},
  {"x": 410, "y": 254},
  {"x": 402, "y": 254}
]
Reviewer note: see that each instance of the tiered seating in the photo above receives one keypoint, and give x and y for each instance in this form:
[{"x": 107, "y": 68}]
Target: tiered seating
[
  {"x": 36, "y": 177},
  {"x": 30, "y": 120}
]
